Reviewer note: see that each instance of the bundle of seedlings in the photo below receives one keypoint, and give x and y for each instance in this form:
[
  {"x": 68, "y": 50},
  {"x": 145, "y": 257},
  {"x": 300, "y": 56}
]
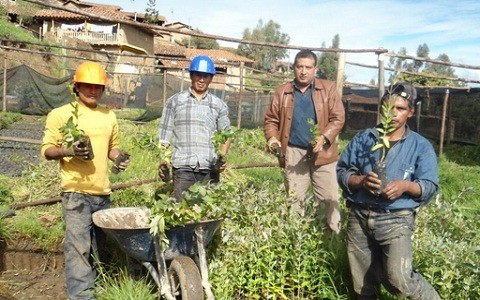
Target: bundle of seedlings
[{"x": 72, "y": 134}]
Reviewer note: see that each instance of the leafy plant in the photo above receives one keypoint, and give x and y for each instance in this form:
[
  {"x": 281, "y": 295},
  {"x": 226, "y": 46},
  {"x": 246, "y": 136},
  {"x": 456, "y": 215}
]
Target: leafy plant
[
  {"x": 70, "y": 131},
  {"x": 313, "y": 131},
  {"x": 386, "y": 127},
  {"x": 145, "y": 140},
  {"x": 314, "y": 135},
  {"x": 166, "y": 154},
  {"x": 148, "y": 141},
  {"x": 219, "y": 138},
  {"x": 199, "y": 204}
]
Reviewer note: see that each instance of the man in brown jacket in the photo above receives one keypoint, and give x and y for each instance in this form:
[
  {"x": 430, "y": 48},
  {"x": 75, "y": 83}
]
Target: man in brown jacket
[{"x": 304, "y": 119}]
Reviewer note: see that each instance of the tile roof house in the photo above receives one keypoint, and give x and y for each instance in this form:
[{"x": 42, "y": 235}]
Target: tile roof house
[
  {"x": 175, "y": 37},
  {"x": 176, "y": 59},
  {"x": 101, "y": 34}
]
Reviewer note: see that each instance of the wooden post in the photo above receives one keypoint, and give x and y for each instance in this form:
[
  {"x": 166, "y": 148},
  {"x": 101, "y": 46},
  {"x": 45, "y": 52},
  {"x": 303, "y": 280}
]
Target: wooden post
[
  {"x": 444, "y": 113},
  {"x": 240, "y": 97},
  {"x": 450, "y": 128},
  {"x": 183, "y": 78},
  {"x": 418, "y": 114},
  {"x": 224, "y": 93},
  {"x": 4, "y": 83},
  {"x": 126, "y": 96},
  {"x": 340, "y": 73},
  {"x": 164, "y": 87},
  {"x": 64, "y": 57},
  {"x": 256, "y": 106},
  {"x": 381, "y": 82},
  {"x": 348, "y": 107}
]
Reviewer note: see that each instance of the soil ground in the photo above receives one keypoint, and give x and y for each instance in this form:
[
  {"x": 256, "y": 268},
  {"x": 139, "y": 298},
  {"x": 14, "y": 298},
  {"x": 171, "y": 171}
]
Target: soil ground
[{"x": 27, "y": 273}]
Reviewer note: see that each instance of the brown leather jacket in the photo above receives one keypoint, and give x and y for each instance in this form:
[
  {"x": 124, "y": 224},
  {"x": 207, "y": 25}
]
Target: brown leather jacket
[{"x": 329, "y": 111}]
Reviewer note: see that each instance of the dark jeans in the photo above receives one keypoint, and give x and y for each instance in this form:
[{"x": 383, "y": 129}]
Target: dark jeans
[
  {"x": 183, "y": 179},
  {"x": 82, "y": 240},
  {"x": 380, "y": 252}
]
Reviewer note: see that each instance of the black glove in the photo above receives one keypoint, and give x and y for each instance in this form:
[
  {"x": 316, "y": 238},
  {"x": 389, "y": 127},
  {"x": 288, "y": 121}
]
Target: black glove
[
  {"x": 164, "y": 171},
  {"x": 78, "y": 149},
  {"x": 276, "y": 149},
  {"x": 121, "y": 162}
]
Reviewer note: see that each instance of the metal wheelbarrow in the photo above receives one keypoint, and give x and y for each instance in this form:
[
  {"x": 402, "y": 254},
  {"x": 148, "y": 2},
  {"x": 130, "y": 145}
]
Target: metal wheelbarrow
[{"x": 185, "y": 278}]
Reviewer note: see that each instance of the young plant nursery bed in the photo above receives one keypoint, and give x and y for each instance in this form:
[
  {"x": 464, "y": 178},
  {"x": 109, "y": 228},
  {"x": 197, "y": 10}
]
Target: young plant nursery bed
[{"x": 28, "y": 272}]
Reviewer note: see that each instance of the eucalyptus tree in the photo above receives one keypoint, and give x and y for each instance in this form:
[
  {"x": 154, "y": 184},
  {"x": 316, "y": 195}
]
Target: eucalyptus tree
[
  {"x": 151, "y": 13},
  {"x": 200, "y": 42},
  {"x": 327, "y": 65},
  {"x": 264, "y": 56}
]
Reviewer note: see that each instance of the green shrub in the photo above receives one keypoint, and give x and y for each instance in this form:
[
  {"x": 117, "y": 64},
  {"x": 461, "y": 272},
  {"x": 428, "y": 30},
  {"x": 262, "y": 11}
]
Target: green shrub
[
  {"x": 7, "y": 118},
  {"x": 123, "y": 287}
]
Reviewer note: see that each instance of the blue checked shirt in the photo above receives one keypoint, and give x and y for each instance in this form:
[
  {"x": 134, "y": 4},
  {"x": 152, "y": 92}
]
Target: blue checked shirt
[{"x": 190, "y": 124}]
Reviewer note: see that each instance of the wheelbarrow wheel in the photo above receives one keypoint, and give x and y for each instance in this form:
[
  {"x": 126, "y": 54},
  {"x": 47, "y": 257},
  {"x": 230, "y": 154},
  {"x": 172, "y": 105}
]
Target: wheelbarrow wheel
[{"x": 185, "y": 279}]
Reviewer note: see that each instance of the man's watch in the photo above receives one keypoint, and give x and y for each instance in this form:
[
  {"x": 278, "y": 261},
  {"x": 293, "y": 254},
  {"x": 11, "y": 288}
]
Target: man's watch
[{"x": 325, "y": 141}]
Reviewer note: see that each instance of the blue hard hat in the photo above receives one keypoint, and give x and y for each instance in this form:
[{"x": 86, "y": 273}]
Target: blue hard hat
[{"x": 203, "y": 64}]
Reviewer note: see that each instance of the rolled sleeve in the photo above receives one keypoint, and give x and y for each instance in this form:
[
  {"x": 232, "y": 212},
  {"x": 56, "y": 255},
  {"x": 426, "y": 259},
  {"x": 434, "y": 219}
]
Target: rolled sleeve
[{"x": 429, "y": 189}]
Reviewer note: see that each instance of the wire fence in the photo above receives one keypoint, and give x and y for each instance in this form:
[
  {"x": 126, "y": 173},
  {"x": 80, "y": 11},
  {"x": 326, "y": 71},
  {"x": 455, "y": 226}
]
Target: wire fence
[{"x": 150, "y": 88}]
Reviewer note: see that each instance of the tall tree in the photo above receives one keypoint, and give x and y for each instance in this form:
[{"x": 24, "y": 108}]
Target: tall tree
[
  {"x": 441, "y": 69},
  {"x": 151, "y": 13},
  {"x": 264, "y": 57},
  {"x": 422, "y": 51},
  {"x": 327, "y": 66},
  {"x": 430, "y": 70},
  {"x": 200, "y": 42},
  {"x": 404, "y": 64}
]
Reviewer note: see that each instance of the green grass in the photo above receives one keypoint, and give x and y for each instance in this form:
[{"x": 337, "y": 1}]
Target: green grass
[
  {"x": 9, "y": 30},
  {"x": 123, "y": 287},
  {"x": 7, "y": 118}
]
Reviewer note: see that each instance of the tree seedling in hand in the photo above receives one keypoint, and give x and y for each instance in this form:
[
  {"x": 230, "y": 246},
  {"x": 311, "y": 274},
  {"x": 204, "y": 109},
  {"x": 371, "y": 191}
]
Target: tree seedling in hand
[
  {"x": 383, "y": 144},
  {"x": 314, "y": 137},
  {"x": 72, "y": 134},
  {"x": 385, "y": 128},
  {"x": 165, "y": 160},
  {"x": 219, "y": 138}
]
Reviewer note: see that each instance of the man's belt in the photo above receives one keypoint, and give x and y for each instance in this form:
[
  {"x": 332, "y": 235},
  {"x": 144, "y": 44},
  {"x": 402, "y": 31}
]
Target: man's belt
[{"x": 374, "y": 208}]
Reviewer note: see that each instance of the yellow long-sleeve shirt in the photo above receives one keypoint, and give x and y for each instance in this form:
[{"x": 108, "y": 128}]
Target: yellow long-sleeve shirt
[{"x": 78, "y": 175}]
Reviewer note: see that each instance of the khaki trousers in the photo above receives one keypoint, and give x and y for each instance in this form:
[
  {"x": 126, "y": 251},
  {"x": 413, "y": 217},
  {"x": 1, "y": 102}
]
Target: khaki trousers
[{"x": 300, "y": 173}]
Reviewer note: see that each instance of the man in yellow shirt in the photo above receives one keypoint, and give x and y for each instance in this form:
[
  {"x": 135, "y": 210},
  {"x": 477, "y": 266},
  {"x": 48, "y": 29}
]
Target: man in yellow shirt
[{"x": 84, "y": 172}]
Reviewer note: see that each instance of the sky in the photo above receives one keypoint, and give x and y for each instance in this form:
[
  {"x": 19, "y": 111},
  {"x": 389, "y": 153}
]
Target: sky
[{"x": 447, "y": 27}]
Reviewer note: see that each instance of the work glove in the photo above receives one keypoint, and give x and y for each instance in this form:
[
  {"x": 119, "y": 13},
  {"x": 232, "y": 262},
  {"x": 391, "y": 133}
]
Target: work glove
[
  {"x": 121, "y": 162},
  {"x": 78, "y": 149},
  {"x": 164, "y": 171},
  {"x": 275, "y": 147},
  {"x": 273, "y": 140}
]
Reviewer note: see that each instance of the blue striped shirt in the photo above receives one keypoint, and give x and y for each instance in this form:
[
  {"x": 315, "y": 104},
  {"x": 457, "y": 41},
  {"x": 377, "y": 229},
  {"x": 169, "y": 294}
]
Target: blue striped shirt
[{"x": 190, "y": 124}]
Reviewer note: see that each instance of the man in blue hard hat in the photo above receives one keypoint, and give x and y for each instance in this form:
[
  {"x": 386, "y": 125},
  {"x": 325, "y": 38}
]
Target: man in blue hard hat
[{"x": 190, "y": 118}]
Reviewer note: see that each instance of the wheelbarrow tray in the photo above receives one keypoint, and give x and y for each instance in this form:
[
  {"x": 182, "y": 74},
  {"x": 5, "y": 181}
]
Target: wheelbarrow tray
[{"x": 129, "y": 227}]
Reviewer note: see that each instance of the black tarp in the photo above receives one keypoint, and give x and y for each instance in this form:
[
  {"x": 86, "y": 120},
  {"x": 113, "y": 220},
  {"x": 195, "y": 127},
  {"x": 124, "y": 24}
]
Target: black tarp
[{"x": 30, "y": 92}]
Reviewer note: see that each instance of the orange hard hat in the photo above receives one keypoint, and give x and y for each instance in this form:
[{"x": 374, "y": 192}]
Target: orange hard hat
[{"x": 90, "y": 72}]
